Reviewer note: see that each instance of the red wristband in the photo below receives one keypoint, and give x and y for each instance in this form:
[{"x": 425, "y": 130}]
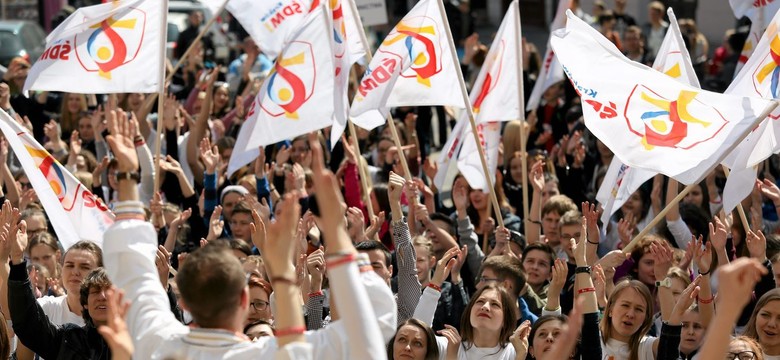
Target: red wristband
[
  {"x": 586, "y": 290},
  {"x": 706, "y": 301},
  {"x": 295, "y": 330},
  {"x": 316, "y": 293},
  {"x": 343, "y": 260},
  {"x": 434, "y": 287}
]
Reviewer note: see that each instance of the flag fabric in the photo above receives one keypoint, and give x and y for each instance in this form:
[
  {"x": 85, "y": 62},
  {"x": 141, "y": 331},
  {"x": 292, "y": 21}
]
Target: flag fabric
[
  {"x": 449, "y": 152},
  {"x": 648, "y": 119},
  {"x": 619, "y": 183},
  {"x": 347, "y": 52},
  {"x": 551, "y": 72},
  {"x": 102, "y": 49},
  {"x": 75, "y": 213},
  {"x": 469, "y": 163},
  {"x": 673, "y": 58},
  {"x": 413, "y": 66},
  {"x": 495, "y": 97},
  {"x": 760, "y": 77},
  {"x": 270, "y": 23},
  {"x": 621, "y": 180},
  {"x": 297, "y": 97},
  {"x": 758, "y": 11}
]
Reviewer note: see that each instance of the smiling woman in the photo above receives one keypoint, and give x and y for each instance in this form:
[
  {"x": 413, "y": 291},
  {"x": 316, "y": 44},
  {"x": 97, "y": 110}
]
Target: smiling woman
[{"x": 764, "y": 324}]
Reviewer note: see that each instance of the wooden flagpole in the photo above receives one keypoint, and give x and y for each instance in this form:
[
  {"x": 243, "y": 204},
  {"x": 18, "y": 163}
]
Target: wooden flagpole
[
  {"x": 160, "y": 91},
  {"x": 523, "y": 122},
  {"x": 688, "y": 188},
  {"x": 390, "y": 121},
  {"x": 470, "y": 113}
]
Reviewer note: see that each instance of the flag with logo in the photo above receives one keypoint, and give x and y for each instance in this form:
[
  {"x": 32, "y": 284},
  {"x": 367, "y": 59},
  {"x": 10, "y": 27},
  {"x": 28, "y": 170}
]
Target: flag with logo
[
  {"x": 75, "y": 213},
  {"x": 760, "y": 77},
  {"x": 495, "y": 97},
  {"x": 102, "y": 49},
  {"x": 413, "y": 66},
  {"x": 347, "y": 51},
  {"x": 648, "y": 119},
  {"x": 758, "y": 11},
  {"x": 270, "y": 23},
  {"x": 621, "y": 180},
  {"x": 551, "y": 72},
  {"x": 297, "y": 97}
]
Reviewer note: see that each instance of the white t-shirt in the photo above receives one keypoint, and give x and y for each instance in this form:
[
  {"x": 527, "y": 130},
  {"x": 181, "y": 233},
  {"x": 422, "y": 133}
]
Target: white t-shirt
[
  {"x": 494, "y": 353},
  {"x": 56, "y": 308},
  {"x": 618, "y": 350},
  {"x": 771, "y": 357}
]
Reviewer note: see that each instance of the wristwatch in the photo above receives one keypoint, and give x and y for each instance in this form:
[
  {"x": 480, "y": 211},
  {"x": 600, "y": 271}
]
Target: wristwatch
[
  {"x": 666, "y": 282},
  {"x": 135, "y": 176},
  {"x": 582, "y": 269}
]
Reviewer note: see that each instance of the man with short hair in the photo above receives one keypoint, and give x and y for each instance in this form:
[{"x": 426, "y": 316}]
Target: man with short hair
[{"x": 213, "y": 285}]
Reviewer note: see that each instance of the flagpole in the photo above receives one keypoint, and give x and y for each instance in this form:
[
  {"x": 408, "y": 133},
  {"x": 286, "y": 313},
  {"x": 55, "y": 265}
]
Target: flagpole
[
  {"x": 740, "y": 209},
  {"x": 470, "y": 112},
  {"x": 690, "y": 187},
  {"x": 390, "y": 121},
  {"x": 521, "y": 91},
  {"x": 160, "y": 91}
]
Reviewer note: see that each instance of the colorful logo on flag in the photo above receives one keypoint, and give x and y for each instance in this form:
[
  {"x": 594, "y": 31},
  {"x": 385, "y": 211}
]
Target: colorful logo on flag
[
  {"x": 53, "y": 172},
  {"x": 769, "y": 70},
  {"x": 494, "y": 64},
  {"x": 672, "y": 63},
  {"x": 420, "y": 36},
  {"x": 113, "y": 43},
  {"x": 280, "y": 13},
  {"x": 671, "y": 120},
  {"x": 291, "y": 81}
]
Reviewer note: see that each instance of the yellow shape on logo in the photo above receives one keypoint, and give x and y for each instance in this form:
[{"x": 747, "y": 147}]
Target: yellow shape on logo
[{"x": 674, "y": 71}]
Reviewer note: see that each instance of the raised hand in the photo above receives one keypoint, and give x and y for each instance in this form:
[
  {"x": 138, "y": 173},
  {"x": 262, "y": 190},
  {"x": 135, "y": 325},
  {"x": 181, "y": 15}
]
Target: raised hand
[
  {"x": 718, "y": 234},
  {"x": 453, "y": 341},
  {"x": 662, "y": 253},
  {"x": 18, "y": 240},
  {"x": 739, "y": 277},
  {"x": 756, "y": 244},
  {"x": 536, "y": 176},
  {"x": 685, "y": 301},
  {"x": 459, "y": 262},
  {"x": 519, "y": 339},
  {"x": 559, "y": 274},
  {"x": 216, "y": 224},
  {"x": 257, "y": 229},
  {"x": 703, "y": 255},
  {"x": 356, "y": 224},
  {"x": 279, "y": 247},
  {"x": 444, "y": 266},
  {"x": 395, "y": 187},
  {"x": 460, "y": 197},
  {"x": 626, "y": 227},
  {"x": 116, "y": 333},
  {"x": 769, "y": 190},
  {"x": 120, "y": 140},
  {"x": 376, "y": 225},
  {"x": 209, "y": 155}
]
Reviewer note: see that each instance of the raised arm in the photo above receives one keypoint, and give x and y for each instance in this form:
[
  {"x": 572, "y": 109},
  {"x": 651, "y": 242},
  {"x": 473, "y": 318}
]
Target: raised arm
[
  {"x": 198, "y": 130},
  {"x": 533, "y": 225},
  {"x": 359, "y": 317},
  {"x": 130, "y": 248},
  {"x": 408, "y": 283}
]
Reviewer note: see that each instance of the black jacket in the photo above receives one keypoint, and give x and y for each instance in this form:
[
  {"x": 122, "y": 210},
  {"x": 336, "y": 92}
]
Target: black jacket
[{"x": 36, "y": 332}]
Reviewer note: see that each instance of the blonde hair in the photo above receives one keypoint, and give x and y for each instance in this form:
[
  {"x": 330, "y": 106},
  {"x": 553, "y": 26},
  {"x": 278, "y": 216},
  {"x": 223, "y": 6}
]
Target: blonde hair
[{"x": 606, "y": 322}]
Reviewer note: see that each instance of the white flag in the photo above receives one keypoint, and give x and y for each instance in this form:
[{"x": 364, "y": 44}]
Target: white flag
[
  {"x": 270, "y": 23},
  {"x": 760, "y": 77},
  {"x": 298, "y": 95},
  {"x": 449, "y": 152},
  {"x": 413, "y": 66},
  {"x": 75, "y": 213},
  {"x": 758, "y": 11},
  {"x": 346, "y": 51},
  {"x": 621, "y": 180},
  {"x": 469, "y": 163},
  {"x": 105, "y": 48},
  {"x": 673, "y": 58},
  {"x": 494, "y": 97},
  {"x": 647, "y": 119},
  {"x": 551, "y": 72}
]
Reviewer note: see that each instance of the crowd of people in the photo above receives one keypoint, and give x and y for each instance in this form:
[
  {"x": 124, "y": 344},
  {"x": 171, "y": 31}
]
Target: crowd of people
[{"x": 283, "y": 258}]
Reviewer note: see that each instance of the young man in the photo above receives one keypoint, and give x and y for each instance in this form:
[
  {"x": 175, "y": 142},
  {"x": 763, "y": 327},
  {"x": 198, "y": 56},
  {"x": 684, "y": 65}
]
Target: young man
[{"x": 213, "y": 284}]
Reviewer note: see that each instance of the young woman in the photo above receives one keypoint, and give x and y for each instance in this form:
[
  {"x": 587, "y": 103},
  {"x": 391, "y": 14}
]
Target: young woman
[
  {"x": 44, "y": 250},
  {"x": 472, "y": 204},
  {"x": 486, "y": 326},
  {"x": 259, "y": 300},
  {"x": 72, "y": 107},
  {"x": 764, "y": 324},
  {"x": 413, "y": 340}
]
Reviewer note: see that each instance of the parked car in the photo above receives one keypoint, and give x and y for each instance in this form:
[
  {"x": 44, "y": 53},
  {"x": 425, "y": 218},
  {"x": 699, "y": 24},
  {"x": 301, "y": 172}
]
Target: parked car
[
  {"x": 178, "y": 15},
  {"x": 21, "y": 38}
]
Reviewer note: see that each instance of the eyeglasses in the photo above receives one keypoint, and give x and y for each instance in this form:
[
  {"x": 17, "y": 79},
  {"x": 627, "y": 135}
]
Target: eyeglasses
[
  {"x": 742, "y": 355},
  {"x": 487, "y": 279},
  {"x": 260, "y": 305},
  {"x": 25, "y": 185}
]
